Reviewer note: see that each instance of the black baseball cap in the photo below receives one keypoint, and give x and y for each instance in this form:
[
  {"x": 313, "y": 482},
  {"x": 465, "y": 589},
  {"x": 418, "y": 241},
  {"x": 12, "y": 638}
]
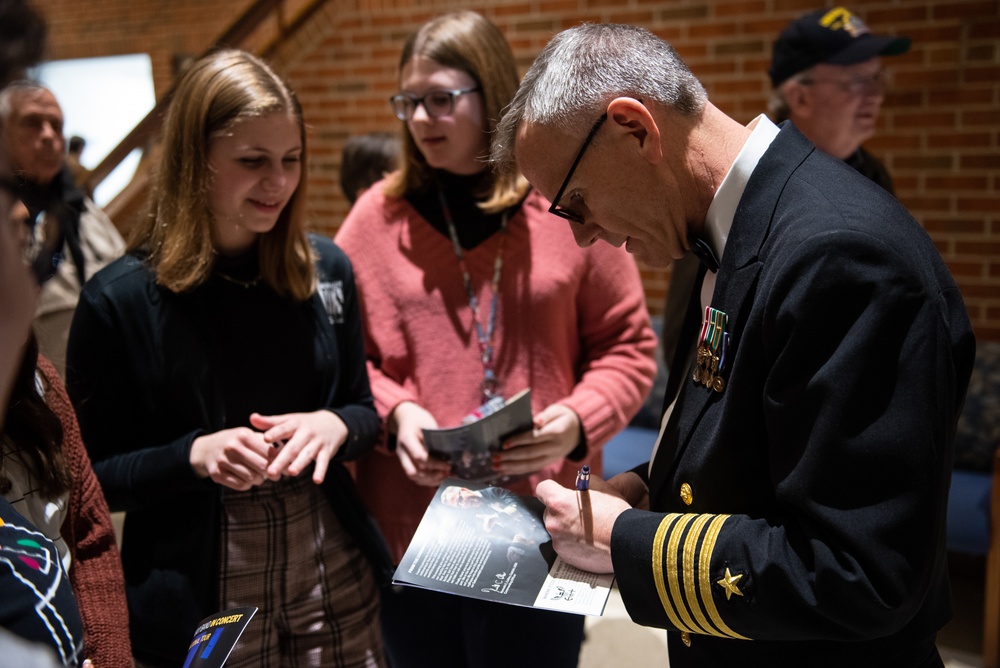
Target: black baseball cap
[{"x": 833, "y": 36}]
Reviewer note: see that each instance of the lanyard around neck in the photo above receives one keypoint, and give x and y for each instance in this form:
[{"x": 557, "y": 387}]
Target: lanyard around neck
[{"x": 490, "y": 386}]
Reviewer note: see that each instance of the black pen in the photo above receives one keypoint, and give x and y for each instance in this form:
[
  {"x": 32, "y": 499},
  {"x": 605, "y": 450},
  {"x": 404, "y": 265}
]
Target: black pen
[{"x": 583, "y": 479}]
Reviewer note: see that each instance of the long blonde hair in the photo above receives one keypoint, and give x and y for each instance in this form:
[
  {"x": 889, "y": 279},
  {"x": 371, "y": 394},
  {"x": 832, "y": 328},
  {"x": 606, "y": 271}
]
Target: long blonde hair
[
  {"x": 469, "y": 42},
  {"x": 216, "y": 92}
]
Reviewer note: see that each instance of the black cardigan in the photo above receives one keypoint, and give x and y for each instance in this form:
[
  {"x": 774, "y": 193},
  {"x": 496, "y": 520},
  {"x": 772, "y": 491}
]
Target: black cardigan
[{"x": 142, "y": 375}]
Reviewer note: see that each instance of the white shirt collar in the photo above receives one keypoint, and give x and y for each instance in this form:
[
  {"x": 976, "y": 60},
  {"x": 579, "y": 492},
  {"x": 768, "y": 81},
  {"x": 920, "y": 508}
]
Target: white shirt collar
[{"x": 721, "y": 212}]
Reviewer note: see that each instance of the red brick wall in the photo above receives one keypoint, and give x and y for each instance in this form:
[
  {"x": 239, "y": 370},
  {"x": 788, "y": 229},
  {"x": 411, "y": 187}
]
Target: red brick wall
[
  {"x": 119, "y": 27},
  {"x": 938, "y": 133}
]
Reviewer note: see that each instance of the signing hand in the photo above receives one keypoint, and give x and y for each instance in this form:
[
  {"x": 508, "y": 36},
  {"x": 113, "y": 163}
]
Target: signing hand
[
  {"x": 301, "y": 438},
  {"x": 556, "y": 434},
  {"x": 407, "y": 420},
  {"x": 236, "y": 458},
  {"x": 580, "y": 523}
]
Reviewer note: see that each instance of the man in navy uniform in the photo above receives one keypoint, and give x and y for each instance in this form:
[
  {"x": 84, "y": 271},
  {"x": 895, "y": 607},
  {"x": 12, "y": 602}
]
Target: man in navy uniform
[{"x": 793, "y": 513}]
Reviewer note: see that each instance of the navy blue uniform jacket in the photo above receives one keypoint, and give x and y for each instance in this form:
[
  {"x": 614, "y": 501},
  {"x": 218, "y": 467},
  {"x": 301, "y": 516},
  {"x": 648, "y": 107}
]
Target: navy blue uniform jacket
[{"x": 798, "y": 518}]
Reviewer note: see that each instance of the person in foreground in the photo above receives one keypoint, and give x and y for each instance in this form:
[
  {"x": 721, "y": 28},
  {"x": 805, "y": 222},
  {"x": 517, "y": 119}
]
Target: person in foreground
[
  {"x": 793, "y": 512},
  {"x": 469, "y": 292},
  {"x": 44, "y": 471},
  {"x": 25, "y": 637},
  {"x": 38, "y": 605},
  {"x": 218, "y": 371},
  {"x": 46, "y": 476}
]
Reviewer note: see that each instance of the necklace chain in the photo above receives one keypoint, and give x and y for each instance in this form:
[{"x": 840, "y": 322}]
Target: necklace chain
[
  {"x": 490, "y": 386},
  {"x": 252, "y": 283}
]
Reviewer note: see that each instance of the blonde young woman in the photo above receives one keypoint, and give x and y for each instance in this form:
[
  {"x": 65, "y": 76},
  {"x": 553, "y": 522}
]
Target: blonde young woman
[
  {"x": 218, "y": 371},
  {"x": 472, "y": 289}
]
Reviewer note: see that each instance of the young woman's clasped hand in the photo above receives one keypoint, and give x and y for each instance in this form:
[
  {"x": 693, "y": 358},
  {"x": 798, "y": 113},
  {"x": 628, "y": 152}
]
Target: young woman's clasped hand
[{"x": 241, "y": 458}]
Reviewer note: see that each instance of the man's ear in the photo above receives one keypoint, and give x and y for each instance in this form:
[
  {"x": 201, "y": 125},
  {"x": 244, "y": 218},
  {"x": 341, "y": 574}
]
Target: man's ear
[
  {"x": 798, "y": 99},
  {"x": 630, "y": 119}
]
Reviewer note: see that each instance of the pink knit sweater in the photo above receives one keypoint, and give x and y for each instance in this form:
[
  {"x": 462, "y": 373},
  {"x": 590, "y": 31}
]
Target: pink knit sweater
[{"x": 571, "y": 324}]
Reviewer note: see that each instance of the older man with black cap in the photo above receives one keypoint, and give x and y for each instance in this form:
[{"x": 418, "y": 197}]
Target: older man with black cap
[{"x": 826, "y": 70}]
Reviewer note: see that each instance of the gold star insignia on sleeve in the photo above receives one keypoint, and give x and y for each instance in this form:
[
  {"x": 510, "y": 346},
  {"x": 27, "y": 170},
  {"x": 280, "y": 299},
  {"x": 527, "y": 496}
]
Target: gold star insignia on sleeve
[{"x": 728, "y": 583}]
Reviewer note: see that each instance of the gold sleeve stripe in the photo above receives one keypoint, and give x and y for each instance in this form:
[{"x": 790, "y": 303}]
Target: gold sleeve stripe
[
  {"x": 673, "y": 569},
  {"x": 661, "y": 588},
  {"x": 690, "y": 577},
  {"x": 705, "y": 580},
  {"x": 681, "y": 565}
]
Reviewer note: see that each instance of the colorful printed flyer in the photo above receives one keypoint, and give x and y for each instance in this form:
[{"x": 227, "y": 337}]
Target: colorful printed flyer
[{"x": 216, "y": 636}]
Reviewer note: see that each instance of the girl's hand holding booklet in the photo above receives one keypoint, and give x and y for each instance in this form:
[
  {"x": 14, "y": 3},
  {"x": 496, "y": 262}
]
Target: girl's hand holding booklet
[{"x": 469, "y": 446}]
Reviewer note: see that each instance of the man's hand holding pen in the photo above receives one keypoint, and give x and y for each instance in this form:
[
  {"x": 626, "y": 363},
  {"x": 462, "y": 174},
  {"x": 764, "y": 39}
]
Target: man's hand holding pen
[{"x": 580, "y": 521}]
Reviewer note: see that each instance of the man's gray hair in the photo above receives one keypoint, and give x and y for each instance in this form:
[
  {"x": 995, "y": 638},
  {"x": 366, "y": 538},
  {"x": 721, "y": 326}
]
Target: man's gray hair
[
  {"x": 582, "y": 69},
  {"x": 14, "y": 89},
  {"x": 777, "y": 104}
]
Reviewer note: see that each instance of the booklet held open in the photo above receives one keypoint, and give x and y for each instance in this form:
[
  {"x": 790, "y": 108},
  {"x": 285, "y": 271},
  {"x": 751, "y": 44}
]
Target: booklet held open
[
  {"x": 469, "y": 447},
  {"x": 489, "y": 543}
]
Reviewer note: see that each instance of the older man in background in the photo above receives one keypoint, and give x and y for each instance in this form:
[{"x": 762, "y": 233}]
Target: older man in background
[
  {"x": 826, "y": 69},
  {"x": 32, "y": 123}
]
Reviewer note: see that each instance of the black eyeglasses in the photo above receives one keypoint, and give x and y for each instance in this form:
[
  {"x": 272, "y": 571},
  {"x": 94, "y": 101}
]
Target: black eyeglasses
[
  {"x": 569, "y": 214},
  {"x": 436, "y": 103}
]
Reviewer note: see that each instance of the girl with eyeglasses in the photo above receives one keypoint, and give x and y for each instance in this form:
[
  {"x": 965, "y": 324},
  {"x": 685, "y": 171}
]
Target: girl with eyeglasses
[
  {"x": 219, "y": 373},
  {"x": 471, "y": 290}
]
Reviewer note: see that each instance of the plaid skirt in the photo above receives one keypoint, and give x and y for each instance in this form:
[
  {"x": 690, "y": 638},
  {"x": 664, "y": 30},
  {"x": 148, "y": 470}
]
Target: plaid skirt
[{"x": 284, "y": 550}]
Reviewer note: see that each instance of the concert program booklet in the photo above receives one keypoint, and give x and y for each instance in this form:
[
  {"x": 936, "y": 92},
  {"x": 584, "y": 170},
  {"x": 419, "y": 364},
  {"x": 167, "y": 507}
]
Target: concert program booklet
[
  {"x": 469, "y": 447},
  {"x": 488, "y": 543},
  {"x": 216, "y": 636}
]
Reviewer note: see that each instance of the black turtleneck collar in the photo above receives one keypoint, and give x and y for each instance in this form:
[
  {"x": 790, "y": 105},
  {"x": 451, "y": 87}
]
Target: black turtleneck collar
[
  {"x": 462, "y": 192},
  {"x": 243, "y": 267}
]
